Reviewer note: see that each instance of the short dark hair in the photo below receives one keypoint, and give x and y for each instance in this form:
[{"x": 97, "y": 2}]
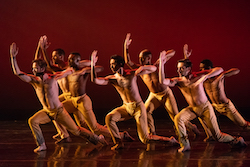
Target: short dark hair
[
  {"x": 208, "y": 63},
  {"x": 145, "y": 52},
  {"x": 59, "y": 51},
  {"x": 187, "y": 62},
  {"x": 119, "y": 59},
  {"x": 42, "y": 63},
  {"x": 75, "y": 54}
]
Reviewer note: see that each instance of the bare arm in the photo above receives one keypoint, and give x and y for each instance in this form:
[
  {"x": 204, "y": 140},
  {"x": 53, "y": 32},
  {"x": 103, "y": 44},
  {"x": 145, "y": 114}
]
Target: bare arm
[
  {"x": 214, "y": 72},
  {"x": 146, "y": 69},
  {"x": 162, "y": 79},
  {"x": 84, "y": 63},
  {"x": 186, "y": 53},
  {"x": 127, "y": 59},
  {"x": 99, "y": 81},
  {"x": 44, "y": 44},
  {"x": 232, "y": 71},
  {"x": 63, "y": 74},
  {"x": 166, "y": 57},
  {"x": 13, "y": 52}
]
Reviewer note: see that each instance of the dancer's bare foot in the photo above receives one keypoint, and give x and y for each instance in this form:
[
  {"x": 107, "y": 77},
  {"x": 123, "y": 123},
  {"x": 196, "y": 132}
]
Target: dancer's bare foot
[
  {"x": 102, "y": 140},
  {"x": 42, "y": 147},
  {"x": 64, "y": 140},
  {"x": 127, "y": 137},
  {"x": 118, "y": 146},
  {"x": 238, "y": 143},
  {"x": 173, "y": 141},
  {"x": 56, "y": 137},
  {"x": 184, "y": 148},
  {"x": 209, "y": 139}
]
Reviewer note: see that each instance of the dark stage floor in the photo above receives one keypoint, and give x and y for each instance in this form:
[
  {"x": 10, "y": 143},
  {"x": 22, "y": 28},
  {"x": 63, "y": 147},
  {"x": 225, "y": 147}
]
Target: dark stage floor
[{"x": 16, "y": 149}]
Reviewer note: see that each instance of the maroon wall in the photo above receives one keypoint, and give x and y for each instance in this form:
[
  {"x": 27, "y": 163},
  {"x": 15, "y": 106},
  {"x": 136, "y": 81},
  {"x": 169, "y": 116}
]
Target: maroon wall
[{"x": 218, "y": 30}]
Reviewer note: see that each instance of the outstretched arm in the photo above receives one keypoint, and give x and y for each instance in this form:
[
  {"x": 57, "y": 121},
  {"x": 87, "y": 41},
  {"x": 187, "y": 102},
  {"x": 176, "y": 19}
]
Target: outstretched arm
[
  {"x": 146, "y": 69},
  {"x": 99, "y": 81},
  {"x": 232, "y": 71},
  {"x": 187, "y": 53},
  {"x": 63, "y": 74},
  {"x": 213, "y": 72},
  {"x": 13, "y": 53}
]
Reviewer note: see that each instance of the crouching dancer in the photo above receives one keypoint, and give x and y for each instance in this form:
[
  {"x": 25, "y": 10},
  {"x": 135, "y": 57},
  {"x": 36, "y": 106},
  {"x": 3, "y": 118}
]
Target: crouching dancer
[
  {"x": 133, "y": 107},
  {"x": 191, "y": 86},
  {"x": 46, "y": 88}
]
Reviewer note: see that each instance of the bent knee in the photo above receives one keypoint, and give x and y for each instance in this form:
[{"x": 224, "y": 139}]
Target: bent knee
[
  {"x": 179, "y": 118},
  {"x": 31, "y": 121}
]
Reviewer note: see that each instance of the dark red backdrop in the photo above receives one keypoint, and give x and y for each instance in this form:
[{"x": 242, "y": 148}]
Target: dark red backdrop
[{"x": 218, "y": 30}]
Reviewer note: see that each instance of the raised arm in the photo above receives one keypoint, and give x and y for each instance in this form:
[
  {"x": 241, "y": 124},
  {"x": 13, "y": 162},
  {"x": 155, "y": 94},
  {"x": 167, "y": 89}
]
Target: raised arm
[
  {"x": 166, "y": 57},
  {"x": 44, "y": 44},
  {"x": 127, "y": 59},
  {"x": 13, "y": 53},
  {"x": 162, "y": 79},
  {"x": 186, "y": 53},
  {"x": 99, "y": 81}
]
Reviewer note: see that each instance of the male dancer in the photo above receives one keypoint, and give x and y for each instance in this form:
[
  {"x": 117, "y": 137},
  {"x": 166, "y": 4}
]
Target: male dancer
[
  {"x": 46, "y": 89},
  {"x": 191, "y": 86},
  {"x": 160, "y": 94},
  {"x": 77, "y": 88},
  {"x": 125, "y": 83},
  {"x": 216, "y": 92},
  {"x": 74, "y": 90},
  {"x": 57, "y": 64}
]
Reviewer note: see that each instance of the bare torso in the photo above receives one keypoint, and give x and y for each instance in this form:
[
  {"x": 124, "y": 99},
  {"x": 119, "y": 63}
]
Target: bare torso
[
  {"x": 194, "y": 94},
  {"x": 126, "y": 86},
  {"x": 77, "y": 83},
  {"x": 47, "y": 91},
  {"x": 152, "y": 82},
  {"x": 215, "y": 89}
]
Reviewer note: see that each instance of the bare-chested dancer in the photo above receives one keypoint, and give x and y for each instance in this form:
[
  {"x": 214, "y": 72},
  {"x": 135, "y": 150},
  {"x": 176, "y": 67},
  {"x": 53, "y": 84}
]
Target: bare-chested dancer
[
  {"x": 46, "y": 88},
  {"x": 125, "y": 83},
  {"x": 160, "y": 94},
  {"x": 57, "y": 64},
  {"x": 77, "y": 88},
  {"x": 216, "y": 92},
  {"x": 74, "y": 97},
  {"x": 191, "y": 86}
]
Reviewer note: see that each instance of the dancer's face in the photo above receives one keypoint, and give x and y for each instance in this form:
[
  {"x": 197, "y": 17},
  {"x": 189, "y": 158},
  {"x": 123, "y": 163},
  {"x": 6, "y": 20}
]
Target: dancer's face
[
  {"x": 145, "y": 60},
  {"x": 183, "y": 70},
  {"x": 204, "y": 67},
  {"x": 56, "y": 58},
  {"x": 74, "y": 61},
  {"x": 114, "y": 66},
  {"x": 37, "y": 70}
]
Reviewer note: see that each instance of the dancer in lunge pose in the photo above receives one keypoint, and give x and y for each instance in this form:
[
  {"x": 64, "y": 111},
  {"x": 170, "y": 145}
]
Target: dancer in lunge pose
[
  {"x": 133, "y": 107},
  {"x": 160, "y": 94},
  {"x": 216, "y": 92},
  {"x": 46, "y": 89},
  {"x": 191, "y": 86},
  {"x": 74, "y": 93}
]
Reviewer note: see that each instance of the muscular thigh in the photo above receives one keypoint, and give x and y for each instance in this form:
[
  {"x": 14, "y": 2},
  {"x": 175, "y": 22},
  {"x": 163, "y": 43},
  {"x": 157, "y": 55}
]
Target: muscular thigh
[
  {"x": 152, "y": 103},
  {"x": 40, "y": 117},
  {"x": 119, "y": 114},
  {"x": 69, "y": 107}
]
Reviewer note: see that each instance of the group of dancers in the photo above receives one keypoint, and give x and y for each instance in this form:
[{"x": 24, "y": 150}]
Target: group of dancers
[{"x": 72, "y": 76}]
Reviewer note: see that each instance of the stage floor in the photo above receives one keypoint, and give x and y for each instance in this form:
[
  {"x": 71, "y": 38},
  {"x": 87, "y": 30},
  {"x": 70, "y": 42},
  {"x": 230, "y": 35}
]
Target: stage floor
[{"x": 17, "y": 144}]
